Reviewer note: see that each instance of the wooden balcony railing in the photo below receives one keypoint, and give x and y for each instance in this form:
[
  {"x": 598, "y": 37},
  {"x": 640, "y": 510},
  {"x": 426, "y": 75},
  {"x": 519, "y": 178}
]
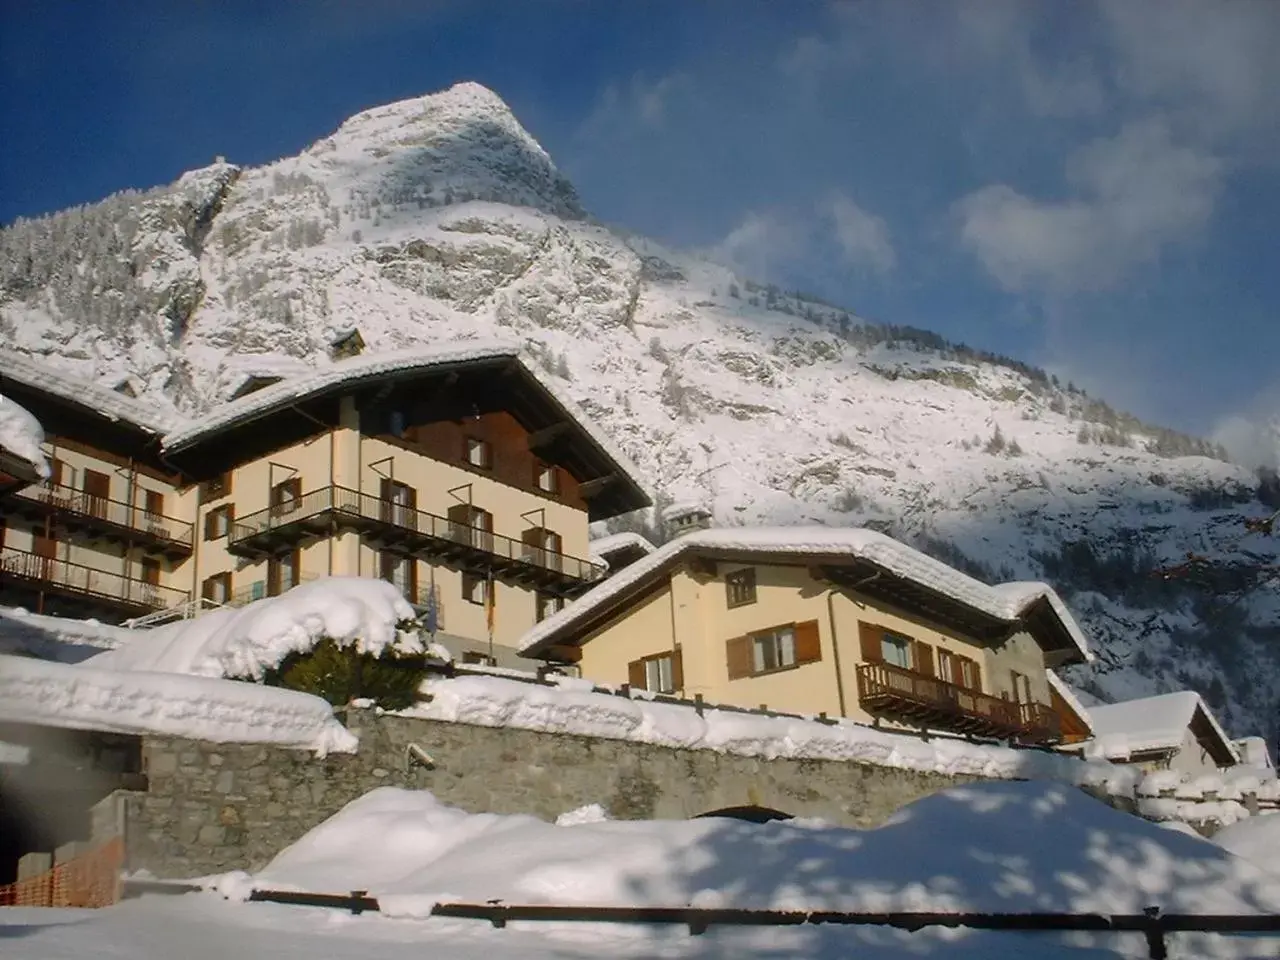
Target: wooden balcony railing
[
  {"x": 411, "y": 531},
  {"x": 112, "y": 517},
  {"x": 900, "y": 693},
  {"x": 77, "y": 580}
]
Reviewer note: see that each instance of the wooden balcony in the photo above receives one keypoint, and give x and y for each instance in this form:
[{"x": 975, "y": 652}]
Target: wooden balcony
[
  {"x": 900, "y": 694},
  {"x": 76, "y": 511},
  {"x": 403, "y": 529},
  {"x": 113, "y": 591}
]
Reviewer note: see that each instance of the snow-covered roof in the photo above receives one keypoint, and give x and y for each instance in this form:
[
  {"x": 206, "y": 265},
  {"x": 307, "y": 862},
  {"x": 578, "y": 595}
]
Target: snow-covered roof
[
  {"x": 1061, "y": 688},
  {"x": 374, "y": 366},
  {"x": 95, "y": 397},
  {"x": 21, "y": 436},
  {"x": 836, "y": 542},
  {"x": 601, "y": 547},
  {"x": 1149, "y": 724}
]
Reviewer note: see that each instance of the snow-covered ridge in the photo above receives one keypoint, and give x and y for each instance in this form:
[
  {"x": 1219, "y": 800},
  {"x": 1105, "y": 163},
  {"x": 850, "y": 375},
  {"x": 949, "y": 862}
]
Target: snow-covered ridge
[
  {"x": 1005, "y": 602},
  {"x": 115, "y": 701}
]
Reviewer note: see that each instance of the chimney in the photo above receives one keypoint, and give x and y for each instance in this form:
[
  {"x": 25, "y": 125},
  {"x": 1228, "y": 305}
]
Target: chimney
[{"x": 685, "y": 516}]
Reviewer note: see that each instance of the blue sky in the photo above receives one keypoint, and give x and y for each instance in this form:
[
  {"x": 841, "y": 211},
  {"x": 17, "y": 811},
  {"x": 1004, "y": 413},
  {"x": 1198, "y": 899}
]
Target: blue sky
[{"x": 1091, "y": 187}]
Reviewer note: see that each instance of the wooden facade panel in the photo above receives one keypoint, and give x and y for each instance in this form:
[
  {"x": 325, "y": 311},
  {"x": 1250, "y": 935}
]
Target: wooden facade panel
[{"x": 510, "y": 459}]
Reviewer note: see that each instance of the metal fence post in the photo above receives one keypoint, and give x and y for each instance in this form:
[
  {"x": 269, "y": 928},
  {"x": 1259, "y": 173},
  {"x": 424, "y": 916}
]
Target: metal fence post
[{"x": 1156, "y": 948}]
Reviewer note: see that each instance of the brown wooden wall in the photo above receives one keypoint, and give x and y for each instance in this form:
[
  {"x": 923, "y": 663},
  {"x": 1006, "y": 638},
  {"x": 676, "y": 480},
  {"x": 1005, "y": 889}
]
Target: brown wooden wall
[{"x": 512, "y": 461}]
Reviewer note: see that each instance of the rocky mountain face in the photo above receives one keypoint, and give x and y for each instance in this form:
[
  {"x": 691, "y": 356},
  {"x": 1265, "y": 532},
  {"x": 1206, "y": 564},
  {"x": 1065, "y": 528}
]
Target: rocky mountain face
[{"x": 440, "y": 218}]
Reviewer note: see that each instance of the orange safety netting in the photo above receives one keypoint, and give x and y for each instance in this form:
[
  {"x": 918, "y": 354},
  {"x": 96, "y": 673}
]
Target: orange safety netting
[{"x": 91, "y": 880}]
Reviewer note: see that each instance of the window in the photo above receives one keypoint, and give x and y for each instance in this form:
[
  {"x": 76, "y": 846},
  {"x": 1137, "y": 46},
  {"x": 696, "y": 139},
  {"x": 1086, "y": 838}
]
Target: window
[
  {"x": 946, "y": 667},
  {"x": 60, "y": 475},
  {"x": 215, "y": 488},
  {"x": 478, "y": 453},
  {"x": 283, "y": 573},
  {"x": 548, "y": 604},
  {"x": 542, "y": 547},
  {"x": 474, "y": 588},
  {"x": 153, "y": 504},
  {"x": 546, "y": 477},
  {"x": 396, "y": 423},
  {"x": 970, "y": 675},
  {"x": 150, "y": 572},
  {"x": 401, "y": 571},
  {"x": 740, "y": 587},
  {"x": 97, "y": 490},
  {"x": 773, "y": 650},
  {"x": 778, "y": 648},
  {"x": 217, "y": 588},
  {"x": 896, "y": 649},
  {"x": 217, "y": 522},
  {"x": 657, "y": 673}
]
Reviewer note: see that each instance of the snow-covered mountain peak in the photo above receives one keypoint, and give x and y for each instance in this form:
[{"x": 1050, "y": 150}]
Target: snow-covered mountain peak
[{"x": 461, "y": 144}]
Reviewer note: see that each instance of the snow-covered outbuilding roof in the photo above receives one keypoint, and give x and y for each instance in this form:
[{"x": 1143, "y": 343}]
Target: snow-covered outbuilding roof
[
  {"x": 1157, "y": 724},
  {"x": 103, "y": 401},
  {"x": 833, "y": 545},
  {"x": 21, "y": 437}
]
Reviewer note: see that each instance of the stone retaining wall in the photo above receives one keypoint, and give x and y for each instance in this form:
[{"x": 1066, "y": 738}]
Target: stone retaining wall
[{"x": 216, "y": 807}]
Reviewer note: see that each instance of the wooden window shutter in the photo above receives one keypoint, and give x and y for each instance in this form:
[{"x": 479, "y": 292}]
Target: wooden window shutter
[
  {"x": 57, "y": 474},
  {"x": 209, "y": 519},
  {"x": 738, "y": 657},
  {"x": 923, "y": 658},
  {"x": 808, "y": 642},
  {"x": 635, "y": 674},
  {"x": 460, "y": 514},
  {"x": 977, "y": 676},
  {"x": 677, "y": 669},
  {"x": 870, "y": 638}
]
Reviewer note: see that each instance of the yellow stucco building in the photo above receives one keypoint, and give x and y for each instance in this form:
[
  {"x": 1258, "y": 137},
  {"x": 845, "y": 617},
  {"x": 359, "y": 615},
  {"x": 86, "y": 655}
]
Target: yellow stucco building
[
  {"x": 846, "y": 622},
  {"x": 456, "y": 473}
]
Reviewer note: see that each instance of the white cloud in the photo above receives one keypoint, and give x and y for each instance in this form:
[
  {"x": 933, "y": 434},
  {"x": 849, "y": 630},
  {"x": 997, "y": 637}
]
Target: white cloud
[
  {"x": 639, "y": 106},
  {"x": 1135, "y": 194},
  {"x": 862, "y": 236},
  {"x": 765, "y": 243}
]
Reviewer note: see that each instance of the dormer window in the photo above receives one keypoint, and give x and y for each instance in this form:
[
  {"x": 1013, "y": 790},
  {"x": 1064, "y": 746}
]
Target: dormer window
[{"x": 478, "y": 453}]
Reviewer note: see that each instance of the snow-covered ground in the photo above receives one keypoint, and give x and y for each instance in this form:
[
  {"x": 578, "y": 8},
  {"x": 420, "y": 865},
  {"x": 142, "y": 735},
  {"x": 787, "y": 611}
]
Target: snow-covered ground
[
  {"x": 987, "y": 848},
  {"x": 1256, "y": 840}
]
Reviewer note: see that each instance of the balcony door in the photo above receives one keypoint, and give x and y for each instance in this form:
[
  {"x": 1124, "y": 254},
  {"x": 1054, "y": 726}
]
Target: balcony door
[
  {"x": 97, "y": 491},
  {"x": 542, "y": 547},
  {"x": 399, "y": 504},
  {"x": 45, "y": 549},
  {"x": 470, "y": 525},
  {"x": 286, "y": 497}
]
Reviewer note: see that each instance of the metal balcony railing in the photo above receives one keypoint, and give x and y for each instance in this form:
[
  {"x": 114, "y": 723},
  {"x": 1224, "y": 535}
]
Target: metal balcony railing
[
  {"x": 110, "y": 515},
  {"x": 887, "y": 688},
  {"x": 63, "y": 576},
  {"x": 411, "y": 529}
]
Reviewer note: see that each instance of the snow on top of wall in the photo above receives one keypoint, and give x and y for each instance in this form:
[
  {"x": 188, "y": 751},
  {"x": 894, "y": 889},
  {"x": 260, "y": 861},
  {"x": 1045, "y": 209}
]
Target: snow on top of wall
[
  {"x": 411, "y": 851},
  {"x": 56, "y": 638},
  {"x": 102, "y": 400},
  {"x": 1149, "y": 723},
  {"x": 601, "y": 547},
  {"x": 571, "y": 709},
  {"x": 22, "y": 435},
  {"x": 248, "y": 641},
  {"x": 115, "y": 701},
  {"x": 857, "y": 542},
  {"x": 684, "y": 508}
]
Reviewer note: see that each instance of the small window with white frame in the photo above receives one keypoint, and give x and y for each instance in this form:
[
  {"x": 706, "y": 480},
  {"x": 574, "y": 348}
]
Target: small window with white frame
[
  {"x": 659, "y": 677},
  {"x": 740, "y": 587},
  {"x": 546, "y": 477},
  {"x": 478, "y": 453}
]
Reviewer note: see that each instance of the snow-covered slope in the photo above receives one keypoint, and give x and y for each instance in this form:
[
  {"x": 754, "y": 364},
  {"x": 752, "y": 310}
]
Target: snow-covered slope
[{"x": 440, "y": 218}]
